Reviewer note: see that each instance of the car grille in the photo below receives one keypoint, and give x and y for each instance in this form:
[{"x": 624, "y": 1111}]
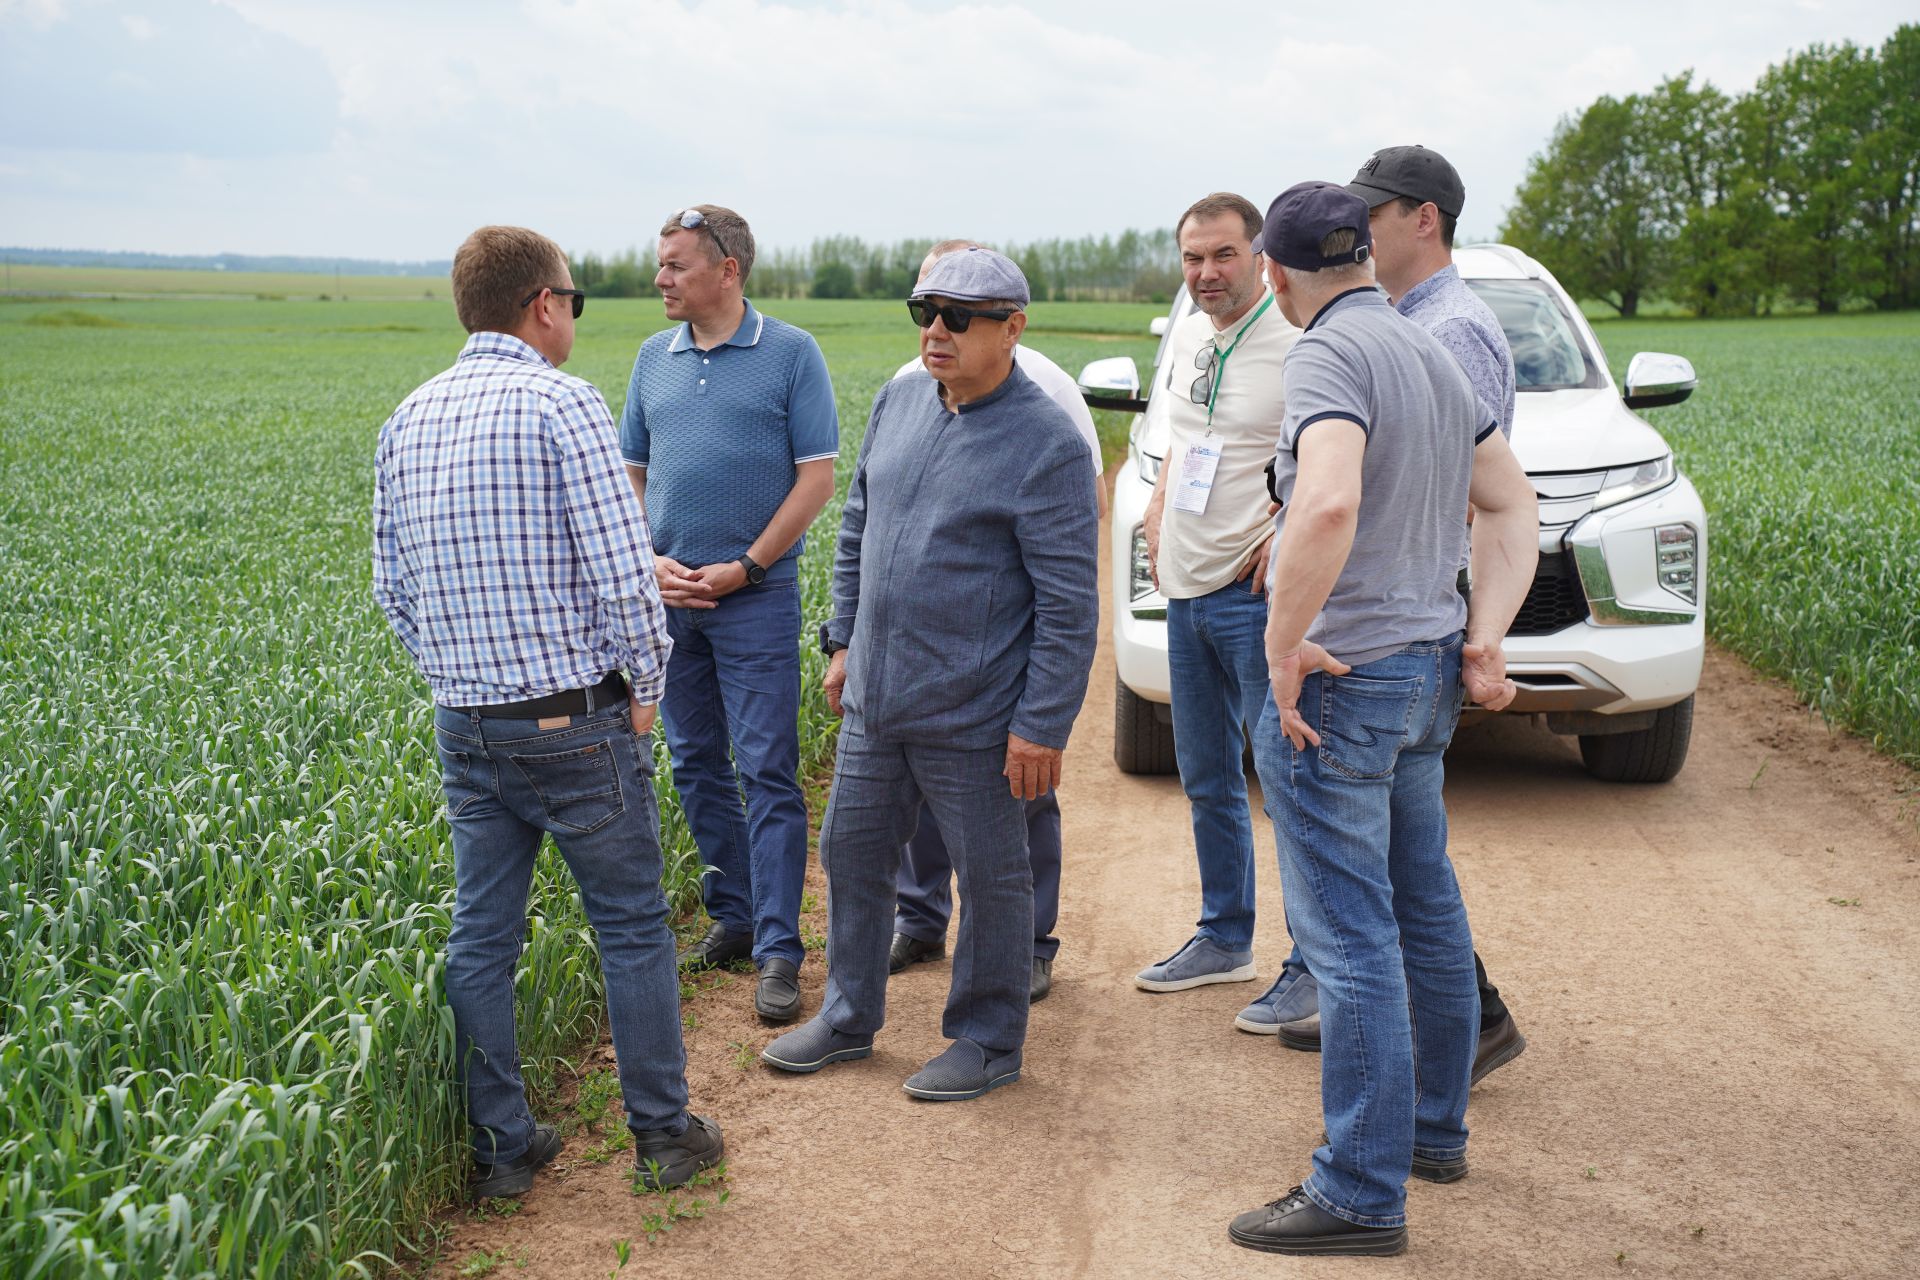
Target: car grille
[{"x": 1556, "y": 600}]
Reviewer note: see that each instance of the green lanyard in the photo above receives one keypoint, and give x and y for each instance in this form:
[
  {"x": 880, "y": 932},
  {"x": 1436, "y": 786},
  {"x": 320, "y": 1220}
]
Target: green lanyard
[{"x": 1220, "y": 372}]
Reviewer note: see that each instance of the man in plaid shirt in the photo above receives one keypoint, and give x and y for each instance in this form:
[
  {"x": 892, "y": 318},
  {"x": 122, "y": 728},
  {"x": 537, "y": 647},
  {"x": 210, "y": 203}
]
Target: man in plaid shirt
[{"x": 515, "y": 565}]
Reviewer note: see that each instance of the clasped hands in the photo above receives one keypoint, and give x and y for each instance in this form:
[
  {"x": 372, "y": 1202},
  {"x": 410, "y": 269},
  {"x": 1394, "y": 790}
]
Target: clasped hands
[
  {"x": 684, "y": 588},
  {"x": 1483, "y": 669},
  {"x": 1031, "y": 771}
]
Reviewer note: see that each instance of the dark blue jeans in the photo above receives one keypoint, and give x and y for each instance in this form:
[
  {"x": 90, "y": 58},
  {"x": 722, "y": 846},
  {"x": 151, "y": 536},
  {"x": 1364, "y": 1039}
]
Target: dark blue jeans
[
  {"x": 1217, "y": 662},
  {"x": 926, "y": 878},
  {"x": 1377, "y": 912},
  {"x": 590, "y": 785},
  {"x": 878, "y": 788},
  {"x": 733, "y": 699}
]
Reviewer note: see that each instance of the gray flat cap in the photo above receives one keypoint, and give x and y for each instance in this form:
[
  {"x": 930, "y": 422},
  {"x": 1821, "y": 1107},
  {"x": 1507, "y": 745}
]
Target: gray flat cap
[{"x": 974, "y": 275}]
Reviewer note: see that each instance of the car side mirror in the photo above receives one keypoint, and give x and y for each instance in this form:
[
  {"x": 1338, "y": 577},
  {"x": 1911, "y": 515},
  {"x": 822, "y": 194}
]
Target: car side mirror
[
  {"x": 1112, "y": 383},
  {"x": 1157, "y": 326},
  {"x": 1655, "y": 379}
]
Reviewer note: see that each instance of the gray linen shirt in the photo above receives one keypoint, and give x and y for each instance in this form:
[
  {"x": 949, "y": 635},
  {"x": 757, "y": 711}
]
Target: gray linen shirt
[
  {"x": 1454, "y": 314},
  {"x": 1360, "y": 362},
  {"x": 964, "y": 584}
]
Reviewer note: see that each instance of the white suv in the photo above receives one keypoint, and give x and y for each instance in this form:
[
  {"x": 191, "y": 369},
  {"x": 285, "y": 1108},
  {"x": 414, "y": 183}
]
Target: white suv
[{"x": 1609, "y": 643}]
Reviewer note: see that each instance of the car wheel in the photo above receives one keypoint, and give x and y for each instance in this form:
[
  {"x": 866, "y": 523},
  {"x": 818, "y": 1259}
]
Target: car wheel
[
  {"x": 1645, "y": 755},
  {"x": 1142, "y": 742}
]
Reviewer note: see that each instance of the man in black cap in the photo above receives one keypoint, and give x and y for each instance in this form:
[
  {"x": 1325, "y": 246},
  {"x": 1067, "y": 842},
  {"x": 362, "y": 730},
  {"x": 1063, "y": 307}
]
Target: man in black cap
[
  {"x": 1368, "y": 645},
  {"x": 1414, "y": 199}
]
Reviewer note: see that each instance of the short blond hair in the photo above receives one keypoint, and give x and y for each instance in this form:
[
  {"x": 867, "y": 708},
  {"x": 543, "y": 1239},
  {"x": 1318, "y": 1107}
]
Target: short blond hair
[{"x": 495, "y": 268}]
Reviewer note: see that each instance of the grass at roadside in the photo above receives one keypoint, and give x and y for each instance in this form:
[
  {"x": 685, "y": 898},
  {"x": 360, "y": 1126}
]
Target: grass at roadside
[{"x": 1804, "y": 443}]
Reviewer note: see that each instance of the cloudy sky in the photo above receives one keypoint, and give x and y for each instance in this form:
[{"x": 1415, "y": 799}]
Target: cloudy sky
[{"x": 369, "y": 128}]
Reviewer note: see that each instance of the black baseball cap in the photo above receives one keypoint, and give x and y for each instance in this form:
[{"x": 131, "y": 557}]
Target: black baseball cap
[
  {"x": 1414, "y": 172},
  {"x": 1305, "y": 214}
]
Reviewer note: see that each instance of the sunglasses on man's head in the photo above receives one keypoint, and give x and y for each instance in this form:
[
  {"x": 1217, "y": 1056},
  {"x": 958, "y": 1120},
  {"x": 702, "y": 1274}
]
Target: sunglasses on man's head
[
  {"x": 953, "y": 315},
  {"x": 579, "y": 297},
  {"x": 694, "y": 220}
]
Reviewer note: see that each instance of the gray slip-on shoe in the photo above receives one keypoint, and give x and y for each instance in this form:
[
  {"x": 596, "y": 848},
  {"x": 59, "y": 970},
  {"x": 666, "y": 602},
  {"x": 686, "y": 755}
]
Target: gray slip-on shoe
[
  {"x": 1294, "y": 994},
  {"x": 1200, "y": 961},
  {"x": 964, "y": 1071},
  {"x": 814, "y": 1045}
]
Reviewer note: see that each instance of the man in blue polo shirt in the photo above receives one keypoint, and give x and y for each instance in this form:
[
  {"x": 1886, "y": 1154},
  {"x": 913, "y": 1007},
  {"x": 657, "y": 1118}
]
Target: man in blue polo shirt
[{"x": 730, "y": 436}]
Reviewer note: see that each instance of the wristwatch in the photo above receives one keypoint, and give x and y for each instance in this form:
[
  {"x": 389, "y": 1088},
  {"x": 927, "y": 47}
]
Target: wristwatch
[
  {"x": 828, "y": 645},
  {"x": 755, "y": 574}
]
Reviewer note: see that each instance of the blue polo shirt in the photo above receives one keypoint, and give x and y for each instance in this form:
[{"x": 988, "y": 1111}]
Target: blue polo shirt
[{"x": 721, "y": 432}]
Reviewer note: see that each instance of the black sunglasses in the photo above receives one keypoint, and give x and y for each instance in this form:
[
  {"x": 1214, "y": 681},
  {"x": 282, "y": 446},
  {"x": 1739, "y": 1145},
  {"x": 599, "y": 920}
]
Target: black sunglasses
[
  {"x": 694, "y": 220},
  {"x": 955, "y": 316},
  {"x": 1204, "y": 360},
  {"x": 579, "y": 297}
]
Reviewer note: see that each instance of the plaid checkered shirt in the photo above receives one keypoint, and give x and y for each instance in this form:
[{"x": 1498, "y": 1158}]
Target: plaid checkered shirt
[{"x": 509, "y": 551}]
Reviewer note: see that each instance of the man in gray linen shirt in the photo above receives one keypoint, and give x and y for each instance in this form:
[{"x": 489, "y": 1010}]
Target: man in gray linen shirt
[{"x": 965, "y": 616}]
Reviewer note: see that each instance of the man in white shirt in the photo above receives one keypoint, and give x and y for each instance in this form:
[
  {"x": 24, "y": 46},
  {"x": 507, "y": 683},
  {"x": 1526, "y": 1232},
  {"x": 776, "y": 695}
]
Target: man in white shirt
[
  {"x": 1209, "y": 530},
  {"x": 926, "y": 869}
]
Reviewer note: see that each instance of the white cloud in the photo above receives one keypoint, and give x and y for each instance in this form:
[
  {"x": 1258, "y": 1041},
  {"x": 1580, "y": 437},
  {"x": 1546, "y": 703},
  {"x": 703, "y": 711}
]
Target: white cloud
[{"x": 138, "y": 27}]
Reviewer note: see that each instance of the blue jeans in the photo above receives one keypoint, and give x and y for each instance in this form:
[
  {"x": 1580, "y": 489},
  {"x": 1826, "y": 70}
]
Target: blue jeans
[
  {"x": 1377, "y": 912},
  {"x": 878, "y": 788},
  {"x": 590, "y": 785},
  {"x": 1217, "y": 661},
  {"x": 926, "y": 878},
  {"x": 733, "y": 698}
]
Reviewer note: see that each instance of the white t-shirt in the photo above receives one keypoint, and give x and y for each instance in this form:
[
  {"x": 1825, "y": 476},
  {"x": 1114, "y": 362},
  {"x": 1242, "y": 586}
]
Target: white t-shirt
[
  {"x": 1060, "y": 388},
  {"x": 1201, "y": 552}
]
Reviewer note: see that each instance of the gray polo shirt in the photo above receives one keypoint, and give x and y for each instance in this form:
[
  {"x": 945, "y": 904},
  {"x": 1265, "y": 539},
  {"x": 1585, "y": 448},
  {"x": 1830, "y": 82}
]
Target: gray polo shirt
[
  {"x": 1445, "y": 307},
  {"x": 1362, "y": 361},
  {"x": 965, "y": 580}
]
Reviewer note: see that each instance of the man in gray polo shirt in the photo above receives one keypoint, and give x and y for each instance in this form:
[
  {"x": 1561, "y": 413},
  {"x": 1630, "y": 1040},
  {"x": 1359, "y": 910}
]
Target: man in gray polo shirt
[
  {"x": 1414, "y": 198},
  {"x": 965, "y": 615},
  {"x": 1383, "y": 446}
]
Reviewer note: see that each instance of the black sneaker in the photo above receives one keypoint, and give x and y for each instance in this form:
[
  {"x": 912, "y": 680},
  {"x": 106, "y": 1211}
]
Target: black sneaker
[
  {"x": 1295, "y": 1224},
  {"x": 662, "y": 1160},
  {"x": 514, "y": 1177},
  {"x": 1039, "y": 980}
]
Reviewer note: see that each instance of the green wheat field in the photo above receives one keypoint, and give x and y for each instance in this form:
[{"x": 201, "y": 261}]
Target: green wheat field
[{"x": 224, "y": 874}]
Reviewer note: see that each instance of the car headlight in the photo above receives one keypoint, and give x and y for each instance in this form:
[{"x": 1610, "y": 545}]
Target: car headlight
[
  {"x": 1149, "y": 467},
  {"x": 1623, "y": 483},
  {"x": 1677, "y": 548},
  {"x": 1140, "y": 571}
]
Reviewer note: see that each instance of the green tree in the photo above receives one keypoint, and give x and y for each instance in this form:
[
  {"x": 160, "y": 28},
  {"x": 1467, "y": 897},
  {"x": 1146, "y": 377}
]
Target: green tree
[
  {"x": 1889, "y": 160},
  {"x": 1587, "y": 206},
  {"x": 833, "y": 280}
]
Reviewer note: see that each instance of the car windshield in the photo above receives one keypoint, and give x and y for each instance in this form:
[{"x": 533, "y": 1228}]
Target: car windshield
[{"x": 1547, "y": 354}]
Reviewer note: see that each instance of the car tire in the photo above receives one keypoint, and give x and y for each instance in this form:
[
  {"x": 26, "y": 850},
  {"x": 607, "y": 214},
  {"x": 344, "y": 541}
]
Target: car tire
[
  {"x": 1645, "y": 755},
  {"x": 1142, "y": 743}
]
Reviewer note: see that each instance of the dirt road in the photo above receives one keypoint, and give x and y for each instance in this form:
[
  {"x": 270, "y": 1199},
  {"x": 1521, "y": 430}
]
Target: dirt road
[{"x": 1718, "y": 979}]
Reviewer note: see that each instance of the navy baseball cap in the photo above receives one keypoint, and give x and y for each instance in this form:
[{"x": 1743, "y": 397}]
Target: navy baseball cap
[
  {"x": 1414, "y": 172},
  {"x": 1305, "y": 214}
]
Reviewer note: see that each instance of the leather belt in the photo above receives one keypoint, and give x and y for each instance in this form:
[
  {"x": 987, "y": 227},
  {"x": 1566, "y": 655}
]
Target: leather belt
[{"x": 569, "y": 702}]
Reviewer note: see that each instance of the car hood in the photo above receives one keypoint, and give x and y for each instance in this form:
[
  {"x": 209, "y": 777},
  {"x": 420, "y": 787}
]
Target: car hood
[
  {"x": 1580, "y": 430},
  {"x": 1577, "y": 430}
]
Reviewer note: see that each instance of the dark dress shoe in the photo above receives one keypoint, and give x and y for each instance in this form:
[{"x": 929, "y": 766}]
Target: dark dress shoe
[
  {"x": 717, "y": 948},
  {"x": 1500, "y": 1044},
  {"x": 1040, "y": 982},
  {"x": 662, "y": 1159},
  {"x": 907, "y": 950},
  {"x": 777, "y": 998},
  {"x": 1295, "y": 1224},
  {"x": 514, "y": 1177}
]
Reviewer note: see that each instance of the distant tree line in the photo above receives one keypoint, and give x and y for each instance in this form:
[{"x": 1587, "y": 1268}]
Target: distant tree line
[
  {"x": 1142, "y": 266},
  {"x": 1805, "y": 190},
  {"x": 225, "y": 262}
]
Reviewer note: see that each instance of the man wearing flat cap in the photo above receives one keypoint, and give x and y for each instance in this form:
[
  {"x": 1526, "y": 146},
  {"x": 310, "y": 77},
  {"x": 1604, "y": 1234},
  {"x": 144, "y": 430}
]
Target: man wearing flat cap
[
  {"x": 965, "y": 614},
  {"x": 1414, "y": 199},
  {"x": 1368, "y": 645}
]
